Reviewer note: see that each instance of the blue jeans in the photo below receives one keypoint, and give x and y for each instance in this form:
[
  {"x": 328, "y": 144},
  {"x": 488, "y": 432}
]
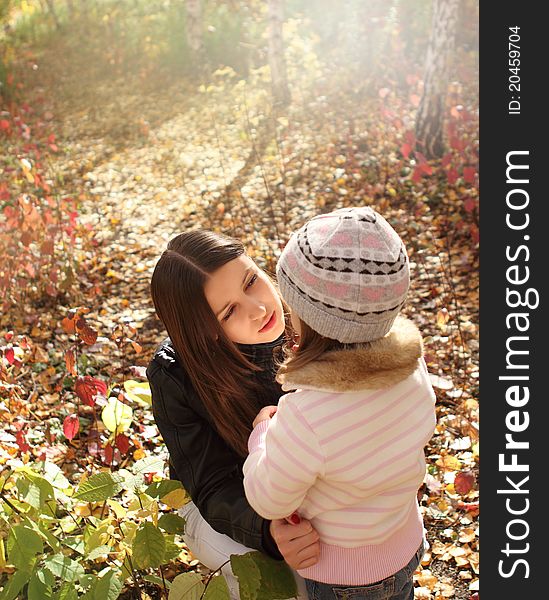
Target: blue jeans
[{"x": 399, "y": 586}]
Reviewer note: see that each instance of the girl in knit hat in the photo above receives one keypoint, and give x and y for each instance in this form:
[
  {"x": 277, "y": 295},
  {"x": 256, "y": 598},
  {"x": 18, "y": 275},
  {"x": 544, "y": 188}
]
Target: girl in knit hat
[{"x": 344, "y": 448}]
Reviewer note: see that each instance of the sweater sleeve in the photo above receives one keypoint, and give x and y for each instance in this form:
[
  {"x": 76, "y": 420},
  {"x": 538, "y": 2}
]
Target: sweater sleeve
[
  {"x": 205, "y": 465},
  {"x": 284, "y": 462}
]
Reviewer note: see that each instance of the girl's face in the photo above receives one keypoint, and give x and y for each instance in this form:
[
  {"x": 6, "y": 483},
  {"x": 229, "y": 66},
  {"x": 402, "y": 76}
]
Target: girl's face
[{"x": 245, "y": 302}]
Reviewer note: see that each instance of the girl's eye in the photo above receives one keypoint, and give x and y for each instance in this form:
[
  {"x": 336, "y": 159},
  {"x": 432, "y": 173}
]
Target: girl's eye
[
  {"x": 252, "y": 281},
  {"x": 228, "y": 313}
]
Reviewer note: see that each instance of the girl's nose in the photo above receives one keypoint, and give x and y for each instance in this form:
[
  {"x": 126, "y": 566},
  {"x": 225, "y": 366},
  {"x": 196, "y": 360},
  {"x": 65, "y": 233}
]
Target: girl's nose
[{"x": 257, "y": 309}]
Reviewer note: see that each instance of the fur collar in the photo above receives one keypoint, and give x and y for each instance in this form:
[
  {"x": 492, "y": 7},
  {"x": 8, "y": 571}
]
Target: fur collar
[{"x": 374, "y": 365}]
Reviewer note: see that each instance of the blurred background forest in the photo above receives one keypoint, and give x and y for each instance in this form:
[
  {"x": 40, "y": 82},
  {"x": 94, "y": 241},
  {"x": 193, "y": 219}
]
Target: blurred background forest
[{"x": 123, "y": 123}]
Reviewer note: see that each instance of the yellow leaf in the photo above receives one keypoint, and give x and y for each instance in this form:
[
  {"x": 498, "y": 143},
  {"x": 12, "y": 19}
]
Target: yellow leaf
[
  {"x": 116, "y": 415},
  {"x": 467, "y": 535},
  {"x": 449, "y": 463},
  {"x": 2, "y": 554},
  {"x": 442, "y": 317},
  {"x": 118, "y": 509},
  {"x": 176, "y": 499},
  {"x": 426, "y": 579},
  {"x": 138, "y": 391},
  {"x": 139, "y": 454}
]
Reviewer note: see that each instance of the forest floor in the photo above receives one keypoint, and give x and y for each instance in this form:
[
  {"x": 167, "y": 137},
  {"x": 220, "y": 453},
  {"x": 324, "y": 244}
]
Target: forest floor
[{"x": 150, "y": 156}]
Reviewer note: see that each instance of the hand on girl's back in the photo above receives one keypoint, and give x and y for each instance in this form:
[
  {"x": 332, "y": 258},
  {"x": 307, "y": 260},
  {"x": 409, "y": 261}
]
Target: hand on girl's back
[
  {"x": 266, "y": 413},
  {"x": 299, "y": 544}
]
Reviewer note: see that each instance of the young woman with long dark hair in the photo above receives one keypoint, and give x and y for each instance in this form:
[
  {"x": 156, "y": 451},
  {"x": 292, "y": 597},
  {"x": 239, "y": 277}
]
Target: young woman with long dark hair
[{"x": 209, "y": 379}]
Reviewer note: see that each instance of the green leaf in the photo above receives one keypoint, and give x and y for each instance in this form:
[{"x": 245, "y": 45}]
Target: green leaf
[
  {"x": 98, "y": 551},
  {"x": 249, "y": 575},
  {"x": 108, "y": 587},
  {"x": 23, "y": 544},
  {"x": 217, "y": 589},
  {"x": 158, "y": 581},
  {"x": 148, "y": 546},
  {"x": 275, "y": 580},
  {"x": 172, "y": 523},
  {"x": 40, "y": 587},
  {"x": 116, "y": 415},
  {"x": 41, "y": 528},
  {"x": 75, "y": 543},
  {"x": 64, "y": 567},
  {"x": 159, "y": 489},
  {"x": 130, "y": 481},
  {"x": 99, "y": 487},
  {"x": 55, "y": 476},
  {"x": 172, "y": 549},
  {"x": 149, "y": 464},
  {"x": 35, "y": 489},
  {"x": 66, "y": 592},
  {"x": 16, "y": 583},
  {"x": 138, "y": 391},
  {"x": 187, "y": 586}
]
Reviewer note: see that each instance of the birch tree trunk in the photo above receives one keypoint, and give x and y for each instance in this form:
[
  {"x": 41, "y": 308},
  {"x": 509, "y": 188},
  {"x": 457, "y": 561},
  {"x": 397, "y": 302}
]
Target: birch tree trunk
[
  {"x": 430, "y": 114},
  {"x": 194, "y": 28},
  {"x": 279, "y": 78}
]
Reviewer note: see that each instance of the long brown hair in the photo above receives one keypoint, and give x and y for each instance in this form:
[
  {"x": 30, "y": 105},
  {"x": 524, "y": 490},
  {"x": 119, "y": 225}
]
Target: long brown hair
[
  {"x": 218, "y": 371},
  {"x": 311, "y": 347}
]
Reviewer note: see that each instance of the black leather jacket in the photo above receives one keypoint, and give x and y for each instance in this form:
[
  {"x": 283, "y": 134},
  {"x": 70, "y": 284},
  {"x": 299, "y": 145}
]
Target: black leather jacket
[{"x": 210, "y": 471}]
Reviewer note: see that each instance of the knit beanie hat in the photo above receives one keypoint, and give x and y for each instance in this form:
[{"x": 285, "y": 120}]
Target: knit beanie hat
[{"x": 345, "y": 274}]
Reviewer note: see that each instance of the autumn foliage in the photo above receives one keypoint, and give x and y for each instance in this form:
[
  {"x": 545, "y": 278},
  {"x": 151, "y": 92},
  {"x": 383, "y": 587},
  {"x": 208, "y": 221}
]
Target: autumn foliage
[{"x": 93, "y": 185}]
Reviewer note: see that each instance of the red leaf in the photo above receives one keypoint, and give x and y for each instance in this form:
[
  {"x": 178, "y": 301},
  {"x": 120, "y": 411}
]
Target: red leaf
[
  {"x": 108, "y": 453},
  {"x": 446, "y": 160},
  {"x": 68, "y": 325},
  {"x": 426, "y": 168},
  {"x": 111, "y": 455},
  {"x": 469, "y": 204},
  {"x": 26, "y": 238},
  {"x": 87, "y": 389},
  {"x": 469, "y": 174},
  {"x": 71, "y": 425},
  {"x": 46, "y": 247},
  {"x": 452, "y": 176},
  {"x": 10, "y": 355},
  {"x": 457, "y": 144},
  {"x": 410, "y": 138},
  {"x": 8, "y": 336},
  {"x": 21, "y": 441},
  {"x": 464, "y": 482},
  {"x": 405, "y": 150},
  {"x": 420, "y": 158},
  {"x": 475, "y": 233},
  {"x": 122, "y": 443},
  {"x": 86, "y": 333},
  {"x": 4, "y": 125},
  {"x": 416, "y": 176},
  {"x": 70, "y": 362}
]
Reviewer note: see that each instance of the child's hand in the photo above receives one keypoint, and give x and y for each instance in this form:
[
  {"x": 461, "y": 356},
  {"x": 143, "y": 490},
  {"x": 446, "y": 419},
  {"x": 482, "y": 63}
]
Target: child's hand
[{"x": 265, "y": 414}]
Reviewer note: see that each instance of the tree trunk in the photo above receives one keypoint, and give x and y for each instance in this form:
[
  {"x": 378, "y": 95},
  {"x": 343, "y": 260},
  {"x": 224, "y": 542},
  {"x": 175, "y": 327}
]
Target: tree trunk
[
  {"x": 430, "y": 114},
  {"x": 279, "y": 79},
  {"x": 194, "y": 29},
  {"x": 51, "y": 8}
]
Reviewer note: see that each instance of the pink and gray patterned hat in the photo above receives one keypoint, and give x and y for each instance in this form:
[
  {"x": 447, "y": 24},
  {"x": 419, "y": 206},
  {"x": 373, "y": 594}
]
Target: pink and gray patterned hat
[{"x": 345, "y": 274}]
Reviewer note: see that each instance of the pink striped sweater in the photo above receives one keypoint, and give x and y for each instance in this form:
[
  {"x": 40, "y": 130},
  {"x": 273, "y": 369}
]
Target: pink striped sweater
[{"x": 346, "y": 451}]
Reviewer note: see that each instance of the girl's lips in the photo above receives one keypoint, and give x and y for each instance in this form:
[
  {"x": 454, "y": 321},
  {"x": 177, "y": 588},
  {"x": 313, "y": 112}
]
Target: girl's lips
[{"x": 269, "y": 324}]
